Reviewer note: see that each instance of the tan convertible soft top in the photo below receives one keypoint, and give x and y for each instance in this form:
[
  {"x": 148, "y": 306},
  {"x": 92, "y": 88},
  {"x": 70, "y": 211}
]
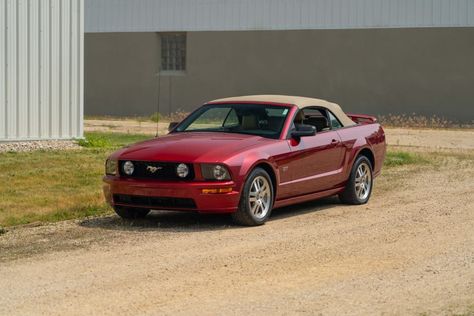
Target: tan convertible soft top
[{"x": 300, "y": 102}]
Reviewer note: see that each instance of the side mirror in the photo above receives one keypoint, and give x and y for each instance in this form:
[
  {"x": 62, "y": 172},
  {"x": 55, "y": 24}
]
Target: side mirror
[
  {"x": 303, "y": 131},
  {"x": 172, "y": 126}
]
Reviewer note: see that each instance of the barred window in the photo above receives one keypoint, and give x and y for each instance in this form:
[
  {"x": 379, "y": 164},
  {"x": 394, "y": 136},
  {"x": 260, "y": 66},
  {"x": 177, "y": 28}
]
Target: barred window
[{"x": 173, "y": 52}]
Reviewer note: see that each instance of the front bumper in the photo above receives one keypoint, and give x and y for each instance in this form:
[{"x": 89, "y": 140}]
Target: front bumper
[{"x": 158, "y": 192}]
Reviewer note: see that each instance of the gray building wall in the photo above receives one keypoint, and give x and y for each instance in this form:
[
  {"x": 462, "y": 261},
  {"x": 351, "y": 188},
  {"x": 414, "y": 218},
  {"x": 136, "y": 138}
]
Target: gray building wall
[
  {"x": 121, "y": 73},
  {"x": 41, "y": 69},
  {"x": 376, "y": 71}
]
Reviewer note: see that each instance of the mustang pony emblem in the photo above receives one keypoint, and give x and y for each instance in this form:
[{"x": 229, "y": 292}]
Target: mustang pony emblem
[{"x": 153, "y": 169}]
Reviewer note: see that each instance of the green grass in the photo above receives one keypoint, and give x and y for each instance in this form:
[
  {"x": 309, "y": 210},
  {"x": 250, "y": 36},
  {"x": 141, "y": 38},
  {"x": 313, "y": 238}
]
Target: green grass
[
  {"x": 94, "y": 141},
  {"x": 49, "y": 186},
  {"x": 401, "y": 158},
  {"x": 110, "y": 140}
]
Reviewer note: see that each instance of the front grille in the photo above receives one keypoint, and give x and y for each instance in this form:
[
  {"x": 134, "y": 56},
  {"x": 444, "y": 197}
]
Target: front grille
[
  {"x": 154, "y": 201},
  {"x": 164, "y": 171}
]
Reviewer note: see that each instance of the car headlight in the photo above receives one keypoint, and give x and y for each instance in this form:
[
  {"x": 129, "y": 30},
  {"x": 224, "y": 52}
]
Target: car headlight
[
  {"x": 182, "y": 170},
  {"x": 214, "y": 172},
  {"x": 111, "y": 167},
  {"x": 128, "y": 168}
]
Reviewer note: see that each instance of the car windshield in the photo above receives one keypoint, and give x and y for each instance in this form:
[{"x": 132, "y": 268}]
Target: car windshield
[{"x": 254, "y": 119}]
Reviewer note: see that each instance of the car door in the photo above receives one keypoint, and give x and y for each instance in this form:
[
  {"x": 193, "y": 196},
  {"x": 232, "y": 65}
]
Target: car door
[{"x": 316, "y": 163}]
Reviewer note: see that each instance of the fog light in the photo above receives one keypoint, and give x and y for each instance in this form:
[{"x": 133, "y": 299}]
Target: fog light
[
  {"x": 128, "y": 168},
  {"x": 182, "y": 170}
]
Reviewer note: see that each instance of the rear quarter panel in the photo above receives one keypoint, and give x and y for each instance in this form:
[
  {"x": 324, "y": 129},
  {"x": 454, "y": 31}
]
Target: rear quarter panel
[{"x": 358, "y": 137}]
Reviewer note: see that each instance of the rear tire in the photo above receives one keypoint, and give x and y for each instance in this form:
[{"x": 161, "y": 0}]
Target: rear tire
[
  {"x": 131, "y": 212},
  {"x": 360, "y": 183},
  {"x": 256, "y": 201}
]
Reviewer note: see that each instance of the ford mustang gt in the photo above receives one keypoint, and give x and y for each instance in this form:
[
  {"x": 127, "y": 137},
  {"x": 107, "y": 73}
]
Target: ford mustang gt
[{"x": 246, "y": 156}]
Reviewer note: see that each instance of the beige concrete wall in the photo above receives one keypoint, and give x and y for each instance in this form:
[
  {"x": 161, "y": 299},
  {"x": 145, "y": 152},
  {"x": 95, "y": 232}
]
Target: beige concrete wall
[{"x": 377, "y": 71}]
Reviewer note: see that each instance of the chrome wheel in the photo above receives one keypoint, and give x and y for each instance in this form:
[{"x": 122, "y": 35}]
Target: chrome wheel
[
  {"x": 256, "y": 200},
  {"x": 260, "y": 197},
  {"x": 363, "y": 181}
]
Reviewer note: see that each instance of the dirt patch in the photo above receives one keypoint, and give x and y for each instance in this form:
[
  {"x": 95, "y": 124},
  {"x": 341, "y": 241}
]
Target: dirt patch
[
  {"x": 126, "y": 126},
  {"x": 461, "y": 139},
  {"x": 409, "y": 251}
]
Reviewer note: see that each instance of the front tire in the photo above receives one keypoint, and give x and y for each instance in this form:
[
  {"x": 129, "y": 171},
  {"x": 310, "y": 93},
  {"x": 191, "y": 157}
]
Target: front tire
[
  {"x": 359, "y": 186},
  {"x": 131, "y": 212},
  {"x": 256, "y": 201}
]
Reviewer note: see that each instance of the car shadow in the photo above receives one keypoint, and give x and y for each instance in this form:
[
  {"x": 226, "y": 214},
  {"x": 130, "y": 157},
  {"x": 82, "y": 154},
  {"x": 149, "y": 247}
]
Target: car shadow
[
  {"x": 175, "y": 221},
  {"x": 172, "y": 221},
  {"x": 305, "y": 207}
]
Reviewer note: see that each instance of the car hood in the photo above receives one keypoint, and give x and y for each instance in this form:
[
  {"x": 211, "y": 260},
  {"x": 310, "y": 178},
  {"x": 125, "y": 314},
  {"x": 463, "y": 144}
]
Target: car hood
[{"x": 190, "y": 147}]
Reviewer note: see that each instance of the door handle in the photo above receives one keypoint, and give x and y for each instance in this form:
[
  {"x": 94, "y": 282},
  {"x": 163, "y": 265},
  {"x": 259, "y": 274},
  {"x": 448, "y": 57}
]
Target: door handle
[{"x": 334, "y": 141}]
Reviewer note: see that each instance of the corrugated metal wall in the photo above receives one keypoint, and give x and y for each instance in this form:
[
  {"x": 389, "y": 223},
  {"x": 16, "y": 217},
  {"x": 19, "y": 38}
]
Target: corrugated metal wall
[
  {"x": 211, "y": 15},
  {"x": 41, "y": 69}
]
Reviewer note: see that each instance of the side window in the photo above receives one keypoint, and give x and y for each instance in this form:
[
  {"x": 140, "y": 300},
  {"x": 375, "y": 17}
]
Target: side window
[
  {"x": 231, "y": 120},
  {"x": 316, "y": 117},
  {"x": 335, "y": 124}
]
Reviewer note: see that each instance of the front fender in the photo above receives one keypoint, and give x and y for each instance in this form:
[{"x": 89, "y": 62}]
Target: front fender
[{"x": 242, "y": 165}]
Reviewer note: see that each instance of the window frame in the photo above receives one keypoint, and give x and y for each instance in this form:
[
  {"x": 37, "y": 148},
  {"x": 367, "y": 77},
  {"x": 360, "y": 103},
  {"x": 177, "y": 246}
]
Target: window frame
[{"x": 167, "y": 36}]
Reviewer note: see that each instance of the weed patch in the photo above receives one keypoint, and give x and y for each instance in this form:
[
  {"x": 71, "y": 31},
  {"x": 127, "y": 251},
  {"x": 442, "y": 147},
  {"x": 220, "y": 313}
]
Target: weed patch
[
  {"x": 420, "y": 121},
  {"x": 155, "y": 117},
  {"x": 401, "y": 158},
  {"x": 94, "y": 141},
  {"x": 73, "y": 212}
]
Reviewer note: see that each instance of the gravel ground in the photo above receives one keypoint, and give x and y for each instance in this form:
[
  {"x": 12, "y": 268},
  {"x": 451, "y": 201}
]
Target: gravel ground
[
  {"x": 409, "y": 251},
  {"x": 460, "y": 140},
  {"x": 38, "y": 145}
]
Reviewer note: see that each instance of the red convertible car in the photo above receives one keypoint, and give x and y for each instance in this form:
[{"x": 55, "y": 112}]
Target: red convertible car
[{"x": 246, "y": 156}]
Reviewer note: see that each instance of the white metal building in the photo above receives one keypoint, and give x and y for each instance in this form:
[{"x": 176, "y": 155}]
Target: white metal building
[{"x": 41, "y": 69}]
